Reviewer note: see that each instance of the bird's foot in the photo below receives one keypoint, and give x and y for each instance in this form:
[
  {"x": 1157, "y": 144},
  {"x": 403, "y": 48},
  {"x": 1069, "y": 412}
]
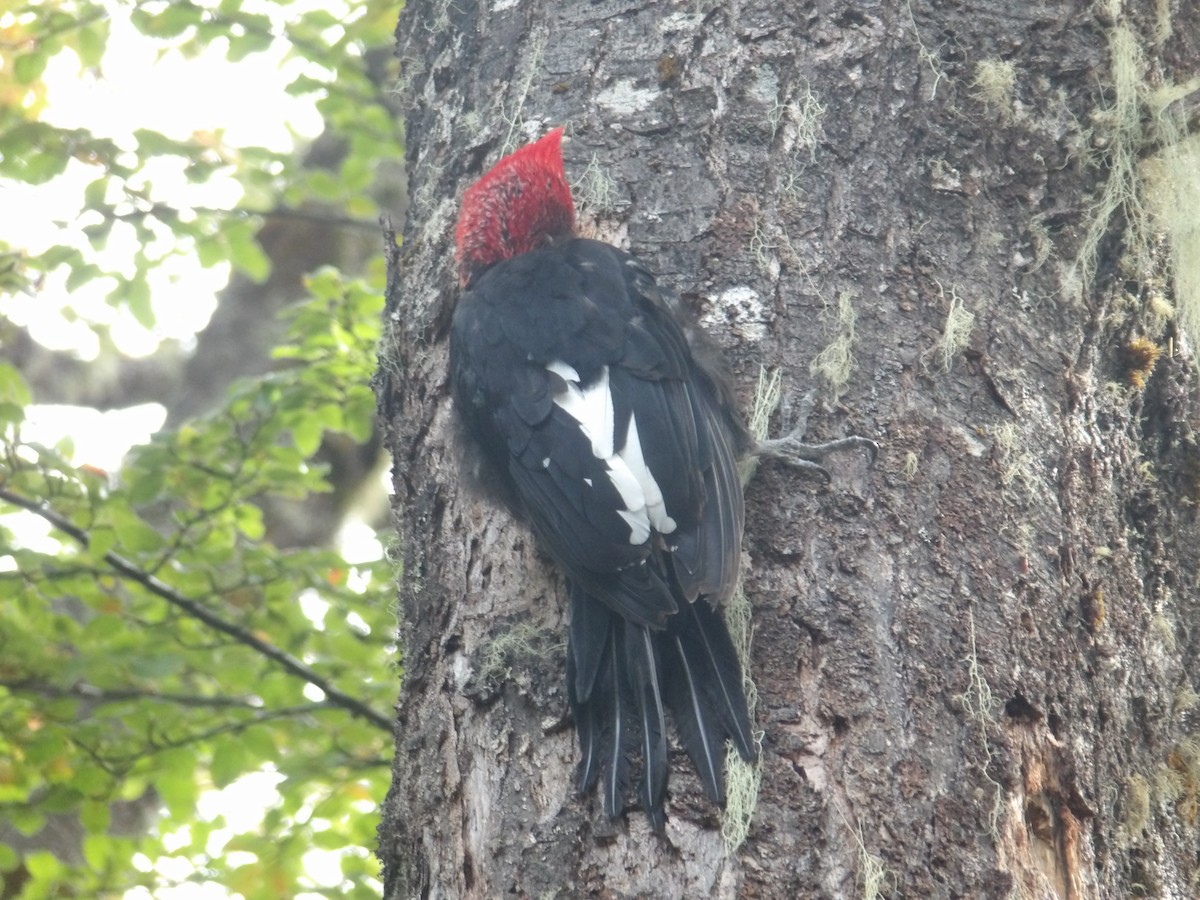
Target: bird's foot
[
  {"x": 808, "y": 457},
  {"x": 793, "y": 451}
]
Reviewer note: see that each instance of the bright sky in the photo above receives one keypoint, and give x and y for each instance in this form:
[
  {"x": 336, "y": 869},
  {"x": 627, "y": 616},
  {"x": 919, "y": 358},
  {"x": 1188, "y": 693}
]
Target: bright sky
[{"x": 177, "y": 97}]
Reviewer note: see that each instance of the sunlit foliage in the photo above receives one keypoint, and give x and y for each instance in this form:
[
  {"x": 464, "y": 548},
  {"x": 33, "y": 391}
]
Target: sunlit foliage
[{"x": 158, "y": 652}]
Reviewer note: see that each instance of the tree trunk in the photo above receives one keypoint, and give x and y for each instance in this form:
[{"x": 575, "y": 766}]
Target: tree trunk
[{"x": 974, "y": 662}]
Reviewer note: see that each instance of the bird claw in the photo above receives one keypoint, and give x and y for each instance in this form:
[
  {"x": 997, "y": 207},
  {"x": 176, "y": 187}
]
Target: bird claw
[{"x": 793, "y": 451}]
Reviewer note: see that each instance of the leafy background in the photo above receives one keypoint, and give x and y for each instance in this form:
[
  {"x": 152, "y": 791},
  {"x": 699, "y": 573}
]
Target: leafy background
[{"x": 196, "y": 679}]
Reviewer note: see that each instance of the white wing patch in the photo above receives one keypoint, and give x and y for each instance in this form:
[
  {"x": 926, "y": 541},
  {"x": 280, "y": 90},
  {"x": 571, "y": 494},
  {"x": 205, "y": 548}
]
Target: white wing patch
[
  {"x": 563, "y": 371},
  {"x": 592, "y": 408},
  {"x": 656, "y": 507}
]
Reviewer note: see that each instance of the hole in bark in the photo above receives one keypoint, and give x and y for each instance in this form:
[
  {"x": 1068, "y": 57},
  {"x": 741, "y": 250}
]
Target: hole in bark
[
  {"x": 468, "y": 871},
  {"x": 1055, "y": 723},
  {"x": 851, "y": 19},
  {"x": 1038, "y": 819},
  {"x": 1141, "y": 710},
  {"x": 815, "y": 635},
  {"x": 1022, "y": 711},
  {"x": 840, "y": 724}
]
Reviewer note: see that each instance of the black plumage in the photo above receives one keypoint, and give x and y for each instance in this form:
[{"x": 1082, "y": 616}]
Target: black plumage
[{"x": 573, "y": 373}]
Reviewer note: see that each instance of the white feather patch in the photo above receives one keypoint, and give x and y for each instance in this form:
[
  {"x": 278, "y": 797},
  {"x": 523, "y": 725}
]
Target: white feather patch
[
  {"x": 563, "y": 371},
  {"x": 656, "y": 508},
  {"x": 592, "y": 408},
  {"x": 630, "y": 490}
]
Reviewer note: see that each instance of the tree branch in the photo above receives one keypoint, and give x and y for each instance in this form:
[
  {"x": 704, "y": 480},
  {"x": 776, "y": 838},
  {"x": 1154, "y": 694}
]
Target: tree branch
[
  {"x": 86, "y": 691},
  {"x": 157, "y": 744},
  {"x": 196, "y": 610},
  {"x": 166, "y": 213},
  {"x": 51, "y": 33}
]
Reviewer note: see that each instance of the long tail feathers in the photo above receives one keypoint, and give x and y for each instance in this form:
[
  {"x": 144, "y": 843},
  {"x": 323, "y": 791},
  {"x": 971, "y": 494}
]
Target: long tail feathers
[
  {"x": 641, "y": 658},
  {"x": 621, "y": 677},
  {"x": 602, "y": 719},
  {"x": 705, "y": 693}
]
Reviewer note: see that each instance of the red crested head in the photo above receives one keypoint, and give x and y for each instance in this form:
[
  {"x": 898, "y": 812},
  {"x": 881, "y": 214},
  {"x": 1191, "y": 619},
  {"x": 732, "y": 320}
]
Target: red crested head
[{"x": 522, "y": 203}]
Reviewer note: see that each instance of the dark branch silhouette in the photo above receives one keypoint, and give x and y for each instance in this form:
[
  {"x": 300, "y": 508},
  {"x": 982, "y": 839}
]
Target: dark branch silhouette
[{"x": 160, "y": 589}]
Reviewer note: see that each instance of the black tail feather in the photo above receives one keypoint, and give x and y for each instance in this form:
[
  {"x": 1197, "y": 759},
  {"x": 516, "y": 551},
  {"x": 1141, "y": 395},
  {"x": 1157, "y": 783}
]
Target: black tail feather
[
  {"x": 605, "y": 726},
  {"x": 620, "y": 678},
  {"x": 588, "y": 633},
  {"x": 589, "y": 725},
  {"x": 705, "y": 693},
  {"x": 613, "y": 695},
  {"x": 643, "y": 669}
]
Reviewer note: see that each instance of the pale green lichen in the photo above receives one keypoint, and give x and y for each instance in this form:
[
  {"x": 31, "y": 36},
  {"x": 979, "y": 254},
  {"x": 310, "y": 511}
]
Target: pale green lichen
[
  {"x": 836, "y": 361},
  {"x": 956, "y": 333},
  {"x": 995, "y": 85},
  {"x": 743, "y": 780}
]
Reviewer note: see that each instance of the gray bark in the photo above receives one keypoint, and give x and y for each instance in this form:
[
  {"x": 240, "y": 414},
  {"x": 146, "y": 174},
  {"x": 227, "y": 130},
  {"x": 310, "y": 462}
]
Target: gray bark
[{"x": 975, "y": 662}]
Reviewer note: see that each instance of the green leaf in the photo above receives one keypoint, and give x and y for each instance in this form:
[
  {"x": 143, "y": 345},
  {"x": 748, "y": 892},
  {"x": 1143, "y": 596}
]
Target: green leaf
[
  {"x": 245, "y": 253},
  {"x": 43, "y": 749},
  {"x": 177, "y": 785},
  {"x": 156, "y": 666},
  {"x": 42, "y": 865},
  {"x": 324, "y": 186},
  {"x": 306, "y": 84},
  {"x": 27, "y": 820},
  {"x": 307, "y": 435},
  {"x": 95, "y": 816},
  {"x": 81, "y": 274},
  {"x": 134, "y": 535},
  {"x": 101, "y": 540},
  {"x": 148, "y": 482},
  {"x": 230, "y": 761},
  {"x": 260, "y": 743},
  {"x": 102, "y": 629},
  {"x": 329, "y": 840},
  {"x": 93, "y": 781},
  {"x": 155, "y": 143},
  {"x": 320, "y": 20},
  {"x": 97, "y": 234},
  {"x": 137, "y": 298},
  {"x": 28, "y": 67},
  {"x": 95, "y": 195},
  {"x": 362, "y": 207},
  {"x": 360, "y": 416},
  {"x": 90, "y": 43},
  {"x": 11, "y": 413},
  {"x": 256, "y": 37},
  {"x": 172, "y": 21},
  {"x": 12, "y": 386},
  {"x": 249, "y": 521},
  {"x": 40, "y": 167},
  {"x": 97, "y": 851}
]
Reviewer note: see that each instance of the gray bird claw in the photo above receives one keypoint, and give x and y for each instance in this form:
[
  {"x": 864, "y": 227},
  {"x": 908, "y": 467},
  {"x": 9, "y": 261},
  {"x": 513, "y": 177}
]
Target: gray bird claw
[{"x": 793, "y": 451}]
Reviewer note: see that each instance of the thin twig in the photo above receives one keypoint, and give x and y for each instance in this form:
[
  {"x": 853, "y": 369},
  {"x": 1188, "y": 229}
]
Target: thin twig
[
  {"x": 87, "y": 691},
  {"x": 164, "y": 211}
]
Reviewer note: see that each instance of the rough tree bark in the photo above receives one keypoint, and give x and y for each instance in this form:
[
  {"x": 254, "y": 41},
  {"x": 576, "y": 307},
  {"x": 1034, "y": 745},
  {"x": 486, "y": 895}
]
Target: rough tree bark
[{"x": 975, "y": 662}]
